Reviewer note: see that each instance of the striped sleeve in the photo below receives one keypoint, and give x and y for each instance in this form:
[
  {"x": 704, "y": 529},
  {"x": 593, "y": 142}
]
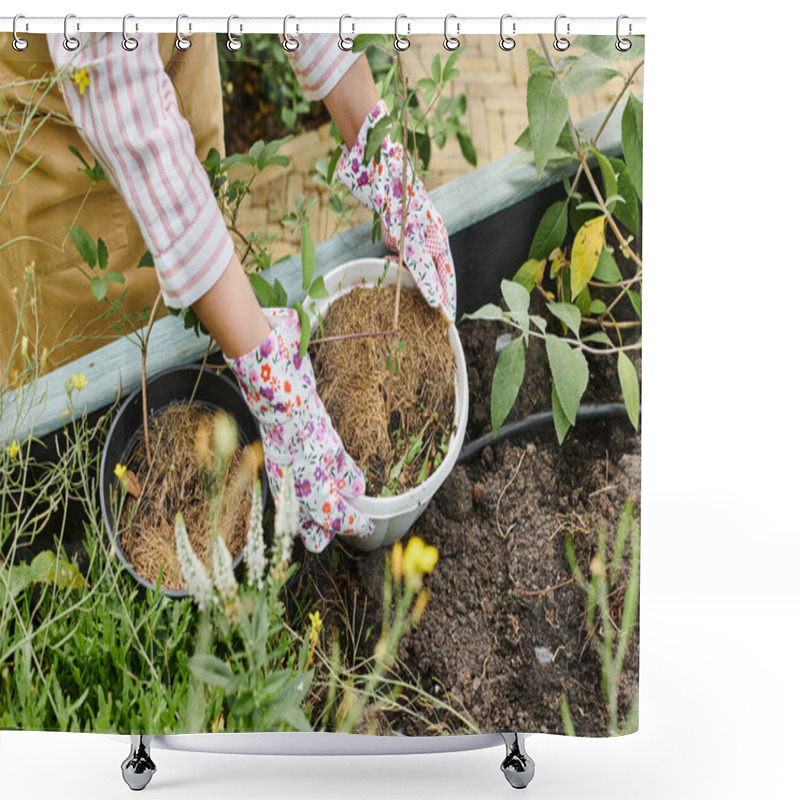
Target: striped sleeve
[
  {"x": 126, "y": 109},
  {"x": 320, "y": 63}
]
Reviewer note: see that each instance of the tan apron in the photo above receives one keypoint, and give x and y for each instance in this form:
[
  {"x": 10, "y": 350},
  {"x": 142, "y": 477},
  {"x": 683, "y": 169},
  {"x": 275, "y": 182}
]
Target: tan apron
[{"x": 66, "y": 319}]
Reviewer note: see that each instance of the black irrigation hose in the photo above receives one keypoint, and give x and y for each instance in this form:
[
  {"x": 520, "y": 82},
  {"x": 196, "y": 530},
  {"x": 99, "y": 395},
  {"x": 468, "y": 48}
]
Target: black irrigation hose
[{"x": 595, "y": 412}]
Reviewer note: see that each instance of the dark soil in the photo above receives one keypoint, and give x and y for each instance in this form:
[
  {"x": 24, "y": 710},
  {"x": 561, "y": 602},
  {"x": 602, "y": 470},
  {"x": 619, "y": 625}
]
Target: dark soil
[{"x": 504, "y": 638}]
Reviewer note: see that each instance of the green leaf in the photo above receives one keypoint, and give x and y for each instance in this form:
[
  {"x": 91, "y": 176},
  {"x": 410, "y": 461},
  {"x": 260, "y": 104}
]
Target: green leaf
[
  {"x": 436, "y": 69},
  {"x": 308, "y": 257},
  {"x": 450, "y": 70},
  {"x": 588, "y": 73},
  {"x": 102, "y": 254},
  {"x": 609, "y": 178},
  {"x": 600, "y": 337},
  {"x": 305, "y": 328},
  {"x": 281, "y": 298},
  {"x": 508, "y": 375},
  {"x": 597, "y": 307},
  {"x": 365, "y": 40},
  {"x": 467, "y": 148},
  {"x": 570, "y": 374},
  {"x": 569, "y": 314},
  {"x": 86, "y": 246},
  {"x": 607, "y": 270},
  {"x": 530, "y": 273},
  {"x": 516, "y": 296},
  {"x": 627, "y": 214},
  {"x": 566, "y": 717},
  {"x": 114, "y": 276},
  {"x": 589, "y": 243},
  {"x": 548, "y": 111},
  {"x": 524, "y": 140},
  {"x": 46, "y": 568},
  {"x": 99, "y": 287},
  {"x": 559, "y": 417},
  {"x": 489, "y": 312},
  {"x": 146, "y": 260},
  {"x": 629, "y": 381},
  {"x": 212, "y": 670},
  {"x": 264, "y": 292},
  {"x": 636, "y": 302},
  {"x": 632, "y": 118},
  {"x": 375, "y": 137},
  {"x": 318, "y": 291},
  {"x": 550, "y": 232},
  {"x": 536, "y": 61}
]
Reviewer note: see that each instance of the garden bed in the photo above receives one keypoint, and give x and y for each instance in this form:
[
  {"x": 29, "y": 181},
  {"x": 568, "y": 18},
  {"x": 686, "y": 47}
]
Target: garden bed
[{"x": 504, "y": 637}]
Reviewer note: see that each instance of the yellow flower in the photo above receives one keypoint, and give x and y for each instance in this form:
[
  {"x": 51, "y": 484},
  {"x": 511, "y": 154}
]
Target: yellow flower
[
  {"x": 316, "y": 623},
  {"x": 76, "y": 382},
  {"x": 12, "y": 450},
  {"x": 397, "y": 561},
  {"x": 120, "y": 471},
  {"x": 418, "y": 560},
  {"x": 81, "y": 79}
]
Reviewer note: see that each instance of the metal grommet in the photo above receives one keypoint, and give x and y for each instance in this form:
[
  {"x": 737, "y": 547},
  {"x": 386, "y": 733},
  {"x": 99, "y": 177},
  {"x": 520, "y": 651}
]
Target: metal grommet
[
  {"x": 129, "y": 43},
  {"x": 623, "y": 45},
  {"x": 345, "y": 42},
  {"x": 451, "y": 42},
  {"x": 506, "y": 42},
  {"x": 401, "y": 44},
  {"x": 70, "y": 42},
  {"x": 560, "y": 43},
  {"x": 19, "y": 43},
  {"x": 233, "y": 44},
  {"x": 181, "y": 42},
  {"x": 290, "y": 44}
]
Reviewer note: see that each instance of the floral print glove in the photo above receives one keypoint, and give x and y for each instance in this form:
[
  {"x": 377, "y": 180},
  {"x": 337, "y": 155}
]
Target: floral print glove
[
  {"x": 280, "y": 389},
  {"x": 378, "y": 187}
]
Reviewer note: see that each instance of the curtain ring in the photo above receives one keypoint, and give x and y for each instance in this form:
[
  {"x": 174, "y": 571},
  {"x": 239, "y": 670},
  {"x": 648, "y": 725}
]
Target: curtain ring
[
  {"x": 401, "y": 44},
  {"x": 129, "y": 43},
  {"x": 345, "y": 42},
  {"x": 506, "y": 42},
  {"x": 233, "y": 44},
  {"x": 623, "y": 45},
  {"x": 19, "y": 43},
  {"x": 181, "y": 42},
  {"x": 290, "y": 44},
  {"x": 70, "y": 42},
  {"x": 451, "y": 42},
  {"x": 560, "y": 43}
]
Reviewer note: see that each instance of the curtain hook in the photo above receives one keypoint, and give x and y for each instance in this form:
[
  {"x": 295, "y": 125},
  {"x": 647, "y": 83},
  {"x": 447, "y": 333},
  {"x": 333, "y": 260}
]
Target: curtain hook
[
  {"x": 623, "y": 45},
  {"x": 181, "y": 42},
  {"x": 560, "y": 43},
  {"x": 290, "y": 44},
  {"x": 233, "y": 44},
  {"x": 451, "y": 42},
  {"x": 71, "y": 43},
  {"x": 129, "y": 43},
  {"x": 19, "y": 43},
  {"x": 401, "y": 43},
  {"x": 345, "y": 42},
  {"x": 506, "y": 42}
]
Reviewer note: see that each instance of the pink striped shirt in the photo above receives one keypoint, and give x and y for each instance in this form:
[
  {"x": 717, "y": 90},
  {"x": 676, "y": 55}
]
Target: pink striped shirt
[{"x": 129, "y": 117}]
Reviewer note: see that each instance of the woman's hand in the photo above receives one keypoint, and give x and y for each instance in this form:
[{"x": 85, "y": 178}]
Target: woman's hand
[
  {"x": 296, "y": 430},
  {"x": 378, "y": 186}
]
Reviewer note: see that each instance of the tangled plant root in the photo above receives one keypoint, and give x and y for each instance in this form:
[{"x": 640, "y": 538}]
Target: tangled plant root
[
  {"x": 378, "y": 412},
  {"x": 181, "y": 479}
]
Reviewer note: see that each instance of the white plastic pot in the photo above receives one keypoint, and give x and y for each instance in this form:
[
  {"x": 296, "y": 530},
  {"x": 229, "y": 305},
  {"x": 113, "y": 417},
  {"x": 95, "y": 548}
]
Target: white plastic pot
[{"x": 395, "y": 515}]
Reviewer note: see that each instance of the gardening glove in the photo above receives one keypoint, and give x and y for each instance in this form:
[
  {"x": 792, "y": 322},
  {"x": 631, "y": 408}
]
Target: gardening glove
[
  {"x": 378, "y": 187},
  {"x": 280, "y": 388}
]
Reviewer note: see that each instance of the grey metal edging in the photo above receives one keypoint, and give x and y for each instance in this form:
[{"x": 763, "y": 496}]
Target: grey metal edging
[{"x": 115, "y": 369}]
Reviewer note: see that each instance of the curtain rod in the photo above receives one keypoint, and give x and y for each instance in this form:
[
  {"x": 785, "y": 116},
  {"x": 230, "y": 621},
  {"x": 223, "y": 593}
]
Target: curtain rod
[{"x": 350, "y": 25}]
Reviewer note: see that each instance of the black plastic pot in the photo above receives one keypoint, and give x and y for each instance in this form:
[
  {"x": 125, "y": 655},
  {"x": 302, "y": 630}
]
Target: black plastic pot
[{"x": 214, "y": 392}]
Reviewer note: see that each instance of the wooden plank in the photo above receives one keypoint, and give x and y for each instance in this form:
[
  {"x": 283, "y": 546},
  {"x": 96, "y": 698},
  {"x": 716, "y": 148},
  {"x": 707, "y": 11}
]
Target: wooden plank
[{"x": 114, "y": 370}]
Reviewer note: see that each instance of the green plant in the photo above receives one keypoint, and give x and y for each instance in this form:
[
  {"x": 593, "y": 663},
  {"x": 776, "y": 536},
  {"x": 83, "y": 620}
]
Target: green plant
[
  {"x": 609, "y": 637},
  {"x": 586, "y": 290}
]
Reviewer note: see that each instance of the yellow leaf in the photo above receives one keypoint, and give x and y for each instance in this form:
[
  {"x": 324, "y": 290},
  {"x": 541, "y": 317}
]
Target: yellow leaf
[{"x": 586, "y": 253}]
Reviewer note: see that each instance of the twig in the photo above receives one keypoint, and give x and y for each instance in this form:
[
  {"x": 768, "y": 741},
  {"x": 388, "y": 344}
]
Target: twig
[
  {"x": 149, "y": 328},
  {"x": 502, "y": 494},
  {"x": 342, "y": 337}
]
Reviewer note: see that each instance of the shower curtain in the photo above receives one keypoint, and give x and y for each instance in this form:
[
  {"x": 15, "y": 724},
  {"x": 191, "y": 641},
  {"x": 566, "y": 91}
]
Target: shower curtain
[{"x": 130, "y": 178}]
